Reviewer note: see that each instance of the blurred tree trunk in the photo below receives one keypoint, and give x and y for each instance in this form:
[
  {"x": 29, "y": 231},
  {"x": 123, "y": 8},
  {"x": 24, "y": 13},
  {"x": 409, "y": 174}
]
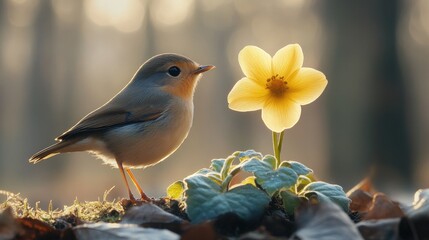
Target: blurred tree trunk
[
  {"x": 69, "y": 41},
  {"x": 149, "y": 33},
  {"x": 2, "y": 83},
  {"x": 39, "y": 108},
  {"x": 368, "y": 98}
]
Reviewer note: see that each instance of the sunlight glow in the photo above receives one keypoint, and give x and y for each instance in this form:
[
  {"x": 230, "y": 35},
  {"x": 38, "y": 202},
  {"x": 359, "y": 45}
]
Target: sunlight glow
[
  {"x": 294, "y": 3},
  {"x": 124, "y": 15},
  {"x": 171, "y": 12},
  {"x": 418, "y": 25},
  {"x": 20, "y": 13},
  {"x": 210, "y": 5},
  {"x": 66, "y": 10}
]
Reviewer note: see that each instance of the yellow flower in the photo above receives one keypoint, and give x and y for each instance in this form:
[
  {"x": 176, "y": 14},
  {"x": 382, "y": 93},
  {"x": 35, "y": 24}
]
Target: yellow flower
[{"x": 277, "y": 85}]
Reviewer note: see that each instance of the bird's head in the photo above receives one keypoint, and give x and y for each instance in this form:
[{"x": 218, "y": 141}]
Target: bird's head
[{"x": 173, "y": 73}]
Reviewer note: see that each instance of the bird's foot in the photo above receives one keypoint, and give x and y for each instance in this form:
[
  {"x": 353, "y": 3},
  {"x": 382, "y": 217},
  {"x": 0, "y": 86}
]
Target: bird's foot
[
  {"x": 128, "y": 203},
  {"x": 144, "y": 197}
]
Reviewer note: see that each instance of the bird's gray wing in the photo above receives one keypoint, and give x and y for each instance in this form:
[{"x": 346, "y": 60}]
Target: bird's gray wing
[{"x": 113, "y": 115}]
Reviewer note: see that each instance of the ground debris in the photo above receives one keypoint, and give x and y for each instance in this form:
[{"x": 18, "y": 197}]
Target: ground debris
[{"x": 373, "y": 215}]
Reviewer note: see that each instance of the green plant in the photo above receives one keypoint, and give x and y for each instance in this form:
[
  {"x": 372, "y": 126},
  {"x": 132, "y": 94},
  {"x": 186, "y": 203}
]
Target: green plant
[
  {"x": 277, "y": 85},
  {"x": 208, "y": 192}
]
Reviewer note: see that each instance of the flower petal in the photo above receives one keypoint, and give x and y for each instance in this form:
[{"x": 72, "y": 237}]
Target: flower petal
[
  {"x": 287, "y": 60},
  {"x": 280, "y": 113},
  {"x": 246, "y": 95},
  {"x": 306, "y": 86},
  {"x": 255, "y": 64}
]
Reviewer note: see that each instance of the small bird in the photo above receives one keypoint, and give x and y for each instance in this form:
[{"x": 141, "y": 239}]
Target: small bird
[{"x": 141, "y": 125}]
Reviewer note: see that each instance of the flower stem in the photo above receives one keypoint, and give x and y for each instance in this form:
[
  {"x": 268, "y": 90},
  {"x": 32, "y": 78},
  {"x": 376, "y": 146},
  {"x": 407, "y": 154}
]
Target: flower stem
[{"x": 277, "y": 146}]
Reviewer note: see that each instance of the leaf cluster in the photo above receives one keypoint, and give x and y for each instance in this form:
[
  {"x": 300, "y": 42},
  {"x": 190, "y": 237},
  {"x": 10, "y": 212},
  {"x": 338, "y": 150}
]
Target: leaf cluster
[{"x": 208, "y": 193}]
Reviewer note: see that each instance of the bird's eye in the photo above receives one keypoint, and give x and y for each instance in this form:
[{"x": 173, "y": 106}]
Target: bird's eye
[{"x": 174, "y": 71}]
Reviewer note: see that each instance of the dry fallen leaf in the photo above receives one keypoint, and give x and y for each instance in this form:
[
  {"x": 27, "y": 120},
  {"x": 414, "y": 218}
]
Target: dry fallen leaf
[
  {"x": 149, "y": 213},
  {"x": 324, "y": 221},
  {"x": 36, "y": 229},
  {"x": 384, "y": 229},
  {"x": 382, "y": 207},
  {"x": 372, "y": 205},
  {"x": 361, "y": 200},
  {"x": 8, "y": 226},
  {"x": 204, "y": 231},
  {"x": 259, "y": 236},
  {"x": 364, "y": 185},
  {"x": 416, "y": 222},
  {"x": 361, "y": 195},
  {"x": 412, "y": 226},
  {"x": 119, "y": 231}
]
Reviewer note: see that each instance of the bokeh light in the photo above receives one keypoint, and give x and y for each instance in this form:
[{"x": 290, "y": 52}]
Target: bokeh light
[
  {"x": 125, "y": 15},
  {"x": 20, "y": 13},
  {"x": 171, "y": 12}
]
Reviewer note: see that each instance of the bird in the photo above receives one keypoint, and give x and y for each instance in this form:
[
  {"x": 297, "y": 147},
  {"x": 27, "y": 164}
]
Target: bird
[{"x": 141, "y": 125}]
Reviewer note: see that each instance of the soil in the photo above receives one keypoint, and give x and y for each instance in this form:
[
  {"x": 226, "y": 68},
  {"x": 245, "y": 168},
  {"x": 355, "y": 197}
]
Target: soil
[{"x": 275, "y": 222}]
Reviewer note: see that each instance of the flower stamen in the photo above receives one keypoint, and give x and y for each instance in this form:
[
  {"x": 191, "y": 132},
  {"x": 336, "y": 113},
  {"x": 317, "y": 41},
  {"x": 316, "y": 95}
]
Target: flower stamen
[{"x": 276, "y": 84}]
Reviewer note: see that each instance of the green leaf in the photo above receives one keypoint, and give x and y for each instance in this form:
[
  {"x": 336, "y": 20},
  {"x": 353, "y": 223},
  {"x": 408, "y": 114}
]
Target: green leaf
[
  {"x": 226, "y": 167},
  {"x": 290, "y": 201},
  {"x": 302, "y": 182},
  {"x": 227, "y": 164},
  {"x": 227, "y": 180},
  {"x": 248, "y": 154},
  {"x": 269, "y": 179},
  {"x": 214, "y": 176},
  {"x": 249, "y": 180},
  {"x": 298, "y": 167},
  {"x": 326, "y": 192},
  {"x": 271, "y": 160},
  {"x": 206, "y": 201},
  {"x": 204, "y": 171},
  {"x": 176, "y": 189},
  {"x": 217, "y": 164}
]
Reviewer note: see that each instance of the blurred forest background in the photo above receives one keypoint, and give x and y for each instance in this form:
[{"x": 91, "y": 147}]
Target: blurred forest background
[{"x": 60, "y": 59}]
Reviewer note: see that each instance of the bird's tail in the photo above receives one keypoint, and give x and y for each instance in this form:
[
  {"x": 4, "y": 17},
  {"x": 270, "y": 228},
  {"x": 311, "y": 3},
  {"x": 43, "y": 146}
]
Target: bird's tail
[{"x": 50, "y": 151}]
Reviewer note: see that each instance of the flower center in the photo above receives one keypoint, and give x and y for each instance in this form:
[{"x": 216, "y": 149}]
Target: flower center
[{"x": 276, "y": 84}]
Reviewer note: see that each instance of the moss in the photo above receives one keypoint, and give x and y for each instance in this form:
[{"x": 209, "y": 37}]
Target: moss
[{"x": 86, "y": 211}]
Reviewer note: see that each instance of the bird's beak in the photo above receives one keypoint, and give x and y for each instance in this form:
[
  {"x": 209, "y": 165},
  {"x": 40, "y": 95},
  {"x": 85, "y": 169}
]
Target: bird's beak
[{"x": 203, "y": 68}]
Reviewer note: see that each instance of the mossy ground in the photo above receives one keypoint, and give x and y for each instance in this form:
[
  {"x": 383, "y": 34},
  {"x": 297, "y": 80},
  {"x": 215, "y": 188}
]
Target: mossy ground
[
  {"x": 78, "y": 212},
  {"x": 60, "y": 223}
]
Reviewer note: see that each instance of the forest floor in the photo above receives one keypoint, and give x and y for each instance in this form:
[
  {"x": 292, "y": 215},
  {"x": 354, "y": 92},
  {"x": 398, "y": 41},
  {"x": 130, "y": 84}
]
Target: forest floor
[{"x": 373, "y": 215}]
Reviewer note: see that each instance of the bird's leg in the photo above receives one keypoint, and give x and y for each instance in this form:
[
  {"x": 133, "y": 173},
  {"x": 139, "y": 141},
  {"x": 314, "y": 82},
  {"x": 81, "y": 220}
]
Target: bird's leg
[
  {"x": 125, "y": 180},
  {"x": 144, "y": 197}
]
